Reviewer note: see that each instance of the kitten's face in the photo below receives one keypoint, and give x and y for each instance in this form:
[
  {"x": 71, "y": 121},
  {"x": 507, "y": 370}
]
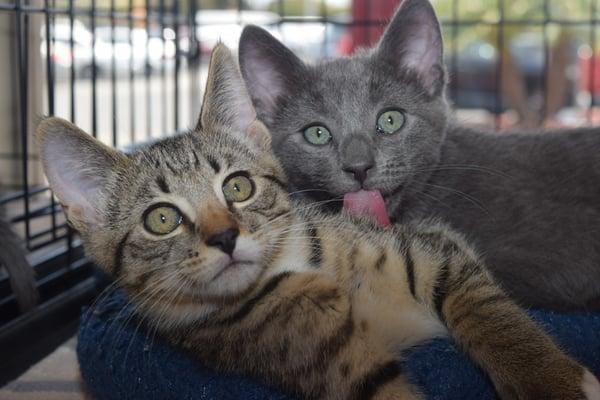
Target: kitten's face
[
  {"x": 375, "y": 121},
  {"x": 348, "y": 97},
  {"x": 188, "y": 223},
  {"x": 194, "y": 209}
]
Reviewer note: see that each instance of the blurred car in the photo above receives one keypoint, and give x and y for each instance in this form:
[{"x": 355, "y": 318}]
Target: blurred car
[
  {"x": 226, "y": 26},
  {"x": 138, "y": 52},
  {"x": 473, "y": 74},
  {"x": 133, "y": 49},
  {"x": 63, "y": 55},
  {"x": 306, "y": 36},
  {"x": 311, "y": 39}
]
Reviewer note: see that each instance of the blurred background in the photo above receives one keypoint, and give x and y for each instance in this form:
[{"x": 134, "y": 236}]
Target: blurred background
[{"x": 130, "y": 71}]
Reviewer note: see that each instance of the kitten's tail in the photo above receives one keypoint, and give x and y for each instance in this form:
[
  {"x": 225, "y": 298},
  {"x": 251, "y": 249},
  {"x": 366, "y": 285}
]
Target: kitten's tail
[{"x": 21, "y": 274}]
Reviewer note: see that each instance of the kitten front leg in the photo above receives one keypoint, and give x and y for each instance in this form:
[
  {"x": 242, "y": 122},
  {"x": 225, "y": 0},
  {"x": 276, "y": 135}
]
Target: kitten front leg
[
  {"x": 522, "y": 361},
  {"x": 520, "y": 358}
]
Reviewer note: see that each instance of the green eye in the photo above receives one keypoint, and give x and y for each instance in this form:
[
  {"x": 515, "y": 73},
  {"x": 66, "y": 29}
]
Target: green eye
[
  {"x": 162, "y": 219},
  {"x": 318, "y": 135},
  {"x": 238, "y": 187},
  {"x": 390, "y": 122}
]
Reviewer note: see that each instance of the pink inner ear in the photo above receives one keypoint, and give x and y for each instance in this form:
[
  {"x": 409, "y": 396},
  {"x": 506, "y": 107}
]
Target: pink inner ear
[
  {"x": 78, "y": 196},
  {"x": 253, "y": 132},
  {"x": 72, "y": 181},
  {"x": 413, "y": 41},
  {"x": 258, "y": 133},
  {"x": 264, "y": 80},
  {"x": 423, "y": 56},
  {"x": 422, "y": 51}
]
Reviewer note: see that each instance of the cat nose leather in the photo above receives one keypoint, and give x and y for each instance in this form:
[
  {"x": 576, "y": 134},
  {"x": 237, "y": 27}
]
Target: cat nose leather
[
  {"x": 359, "y": 169},
  {"x": 224, "y": 240},
  {"x": 357, "y": 157}
]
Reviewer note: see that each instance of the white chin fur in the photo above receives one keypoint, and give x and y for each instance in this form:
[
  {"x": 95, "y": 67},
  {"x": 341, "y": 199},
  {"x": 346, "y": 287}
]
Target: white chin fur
[
  {"x": 247, "y": 249},
  {"x": 234, "y": 280},
  {"x": 240, "y": 277},
  {"x": 590, "y": 386}
]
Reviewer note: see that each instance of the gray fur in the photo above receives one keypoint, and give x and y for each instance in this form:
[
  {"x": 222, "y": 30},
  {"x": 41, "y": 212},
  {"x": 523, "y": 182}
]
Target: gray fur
[{"x": 530, "y": 202}]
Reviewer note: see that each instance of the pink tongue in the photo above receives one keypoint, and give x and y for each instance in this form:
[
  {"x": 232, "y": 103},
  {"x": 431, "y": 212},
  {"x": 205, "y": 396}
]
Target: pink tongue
[{"x": 367, "y": 203}]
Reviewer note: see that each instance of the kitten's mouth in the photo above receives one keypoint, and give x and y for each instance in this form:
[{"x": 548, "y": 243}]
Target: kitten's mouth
[
  {"x": 367, "y": 203},
  {"x": 232, "y": 264}
]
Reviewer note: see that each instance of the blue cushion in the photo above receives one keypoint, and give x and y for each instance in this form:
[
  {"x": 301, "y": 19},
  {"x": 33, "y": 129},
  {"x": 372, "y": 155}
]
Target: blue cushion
[{"x": 121, "y": 359}]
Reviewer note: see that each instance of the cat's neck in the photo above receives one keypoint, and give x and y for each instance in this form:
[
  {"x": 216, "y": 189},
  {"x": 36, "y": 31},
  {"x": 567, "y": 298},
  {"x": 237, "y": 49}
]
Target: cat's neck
[{"x": 298, "y": 246}]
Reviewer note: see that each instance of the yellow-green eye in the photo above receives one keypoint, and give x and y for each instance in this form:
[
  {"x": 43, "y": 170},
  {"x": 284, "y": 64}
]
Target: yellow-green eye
[
  {"x": 317, "y": 134},
  {"x": 238, "y": 187},
  {"x": 162, "y": 219},
  {"x": 390, "y": 122}
]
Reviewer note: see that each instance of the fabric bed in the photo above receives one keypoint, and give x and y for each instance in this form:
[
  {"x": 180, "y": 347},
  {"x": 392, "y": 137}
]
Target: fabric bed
[{"x": 120, "y": 359}]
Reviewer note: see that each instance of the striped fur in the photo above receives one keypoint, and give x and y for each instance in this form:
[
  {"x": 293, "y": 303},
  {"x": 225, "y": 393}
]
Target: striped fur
[{"x": 318, "y": 305}]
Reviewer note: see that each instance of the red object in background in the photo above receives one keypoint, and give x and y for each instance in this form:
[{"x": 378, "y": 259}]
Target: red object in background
[
  {"x": 365, "y": 35},
  {"x": 589, "y": 68}
]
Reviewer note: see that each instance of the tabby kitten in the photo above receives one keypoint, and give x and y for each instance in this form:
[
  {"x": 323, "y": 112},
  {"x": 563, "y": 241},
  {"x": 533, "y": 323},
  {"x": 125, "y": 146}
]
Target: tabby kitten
[
  {"x": 200, "y": 230},
  {"x": 379, "y": 121}
]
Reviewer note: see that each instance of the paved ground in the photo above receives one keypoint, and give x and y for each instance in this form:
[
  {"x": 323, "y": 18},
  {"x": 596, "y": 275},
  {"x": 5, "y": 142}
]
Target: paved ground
[{"x": 56, "y": 377}]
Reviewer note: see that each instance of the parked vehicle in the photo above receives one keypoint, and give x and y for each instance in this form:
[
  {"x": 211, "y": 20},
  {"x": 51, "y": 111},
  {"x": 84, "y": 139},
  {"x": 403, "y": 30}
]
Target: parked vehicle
[
  {"x": 226, "y": 26},
  {"x": 131, "y": 49},
  {"x": 63, "y": 54},
  {"x": 312, "y": 40},
  {"x": 309, "y": 38},
  {"x": 473, "y": 73}
]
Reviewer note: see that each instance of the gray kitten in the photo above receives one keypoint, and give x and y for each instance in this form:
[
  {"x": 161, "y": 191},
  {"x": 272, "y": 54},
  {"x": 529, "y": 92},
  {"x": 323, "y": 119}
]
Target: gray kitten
[{"x": 380, "y": 121}]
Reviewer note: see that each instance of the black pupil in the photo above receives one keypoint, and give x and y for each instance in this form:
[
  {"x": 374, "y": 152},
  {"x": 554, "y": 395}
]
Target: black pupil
[
  {"x": 390, "y": 120},
  {"x": 319, "y": 132},
  {"x": 236, "y": 187},
  {"x": 163, "y": 219}
]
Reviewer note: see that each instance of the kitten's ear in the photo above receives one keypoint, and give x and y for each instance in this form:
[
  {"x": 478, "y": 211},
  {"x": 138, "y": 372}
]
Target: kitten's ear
[
  {"x": 270, "y": 70},
  {"x": 413, "y": 41},
  {"x": 226, "y": 100},
  {"x": 77, "y": 167}
]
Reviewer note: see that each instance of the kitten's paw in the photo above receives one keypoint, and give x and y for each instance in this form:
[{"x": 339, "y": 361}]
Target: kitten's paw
[
  {"x": 564, "y": 380},
  {"x": 590, "y": 386}
]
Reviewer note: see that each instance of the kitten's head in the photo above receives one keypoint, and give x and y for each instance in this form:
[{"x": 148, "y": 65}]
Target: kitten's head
[
  {"x": 370, "y": 121},
  {"x": 184, "y": 221}
]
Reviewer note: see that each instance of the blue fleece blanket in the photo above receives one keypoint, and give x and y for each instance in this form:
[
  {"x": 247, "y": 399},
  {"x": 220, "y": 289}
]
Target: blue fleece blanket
[{"x": 119, "y": 360}]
